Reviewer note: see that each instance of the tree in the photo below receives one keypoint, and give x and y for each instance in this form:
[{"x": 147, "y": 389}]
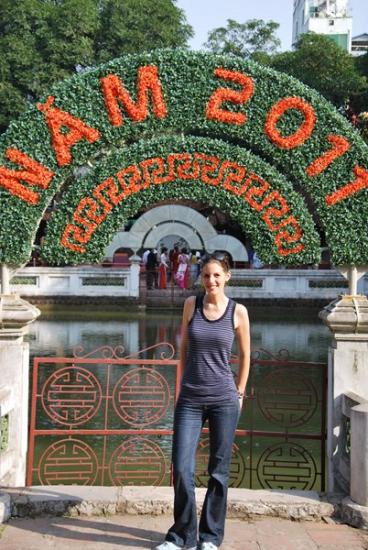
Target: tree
[
  {"x": 323, "y": 65},
  {"x": 361, "y": 63},
  {"x": 134, "y": 26},
  {"x": 359, "y": 102},
  {"x": 44, "y": 41},
  {"x": 253, "y": 39}
]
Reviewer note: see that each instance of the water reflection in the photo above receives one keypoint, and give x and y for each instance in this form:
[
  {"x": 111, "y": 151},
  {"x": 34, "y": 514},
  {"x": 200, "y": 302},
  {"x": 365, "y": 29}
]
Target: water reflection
[{"x": 304, "y": 335}]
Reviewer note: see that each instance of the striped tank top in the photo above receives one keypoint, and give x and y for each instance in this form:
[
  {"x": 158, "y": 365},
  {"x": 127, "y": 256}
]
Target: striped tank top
[{"x": 207, "y": 376}]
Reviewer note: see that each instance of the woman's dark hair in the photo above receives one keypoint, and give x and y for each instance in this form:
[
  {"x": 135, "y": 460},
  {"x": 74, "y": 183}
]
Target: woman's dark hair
[{"x": 221, "y": 257}]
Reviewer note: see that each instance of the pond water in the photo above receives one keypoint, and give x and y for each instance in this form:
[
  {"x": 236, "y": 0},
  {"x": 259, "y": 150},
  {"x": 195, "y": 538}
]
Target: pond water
[
  {"x": 280, "y": 437},
  {"x": 273, "y": 328}
]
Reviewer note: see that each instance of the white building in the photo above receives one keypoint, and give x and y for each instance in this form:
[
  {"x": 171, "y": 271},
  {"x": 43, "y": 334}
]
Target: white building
[
  {"x": 328, "y": 17},
  {"x": 359, "y": 44}
]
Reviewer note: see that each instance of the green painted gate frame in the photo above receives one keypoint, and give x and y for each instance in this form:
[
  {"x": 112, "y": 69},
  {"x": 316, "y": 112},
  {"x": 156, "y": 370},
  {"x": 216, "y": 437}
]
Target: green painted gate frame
[{"x": 310, "y": 162}]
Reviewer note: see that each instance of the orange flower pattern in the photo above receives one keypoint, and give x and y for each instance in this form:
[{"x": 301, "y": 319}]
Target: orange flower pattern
[
  {"x": 221, "y": 95},
  {"x": 34, "y": 173},
  {"x": 209, "y": 169},
  {"x": 360, "y": 183},
  {"x": 303, "y": 132},
  {"x": 147, "y": 82},
  {"x": 339, "y": 147},
  {"x": 62, "y": 142}
]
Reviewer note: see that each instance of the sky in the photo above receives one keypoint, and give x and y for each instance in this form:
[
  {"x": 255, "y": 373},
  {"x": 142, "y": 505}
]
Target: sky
[{"x": 205, "y": 15}]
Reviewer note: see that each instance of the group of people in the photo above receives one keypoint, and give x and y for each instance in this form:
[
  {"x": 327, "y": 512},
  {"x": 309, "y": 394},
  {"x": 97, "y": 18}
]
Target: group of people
[{"x": 179, "y": 266}]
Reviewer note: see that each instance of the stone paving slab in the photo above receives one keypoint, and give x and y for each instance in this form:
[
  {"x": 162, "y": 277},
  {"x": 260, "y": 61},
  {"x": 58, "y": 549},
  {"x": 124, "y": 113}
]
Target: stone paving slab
[{"x": 136, "y": 532}]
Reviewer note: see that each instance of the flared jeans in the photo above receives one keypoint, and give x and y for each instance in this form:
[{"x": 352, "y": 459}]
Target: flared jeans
[{"x": 188, "y": 422}]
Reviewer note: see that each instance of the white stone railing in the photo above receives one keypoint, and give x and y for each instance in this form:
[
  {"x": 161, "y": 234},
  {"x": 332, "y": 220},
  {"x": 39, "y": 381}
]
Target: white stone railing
[
  {"x": 7, "y": 454},
  {"x": 308, "y": 284},
  {"x": 287, "y": 284},
  {"x": 353, "y": 460},
  {"x": 77, "y": 281},
  {"x": 15, "y": 317}
]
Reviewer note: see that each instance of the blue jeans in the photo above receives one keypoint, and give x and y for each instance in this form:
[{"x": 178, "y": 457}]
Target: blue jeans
[{"x": 188, "y": 422}]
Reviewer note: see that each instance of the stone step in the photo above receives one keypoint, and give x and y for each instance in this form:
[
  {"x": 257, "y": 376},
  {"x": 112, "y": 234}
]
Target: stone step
[{"x": 242, "y": 503}]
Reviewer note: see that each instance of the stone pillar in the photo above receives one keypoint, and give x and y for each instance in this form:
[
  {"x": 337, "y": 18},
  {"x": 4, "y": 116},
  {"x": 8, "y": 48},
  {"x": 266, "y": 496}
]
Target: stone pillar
[
  {"x": 359, "y": 454},
  {"x": 15, "y": 316},
  {"x": 5, "y": 279},
  {"x": 347, "y": 318}
]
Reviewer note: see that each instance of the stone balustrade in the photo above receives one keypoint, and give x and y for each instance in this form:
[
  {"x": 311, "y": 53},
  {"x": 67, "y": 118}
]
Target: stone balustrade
[
  {"x": 304, "y": 284},
  {"x": 15, "y": 316},
  {"x": 77, "y": 281},
  {"x": 351, "y": 469}
]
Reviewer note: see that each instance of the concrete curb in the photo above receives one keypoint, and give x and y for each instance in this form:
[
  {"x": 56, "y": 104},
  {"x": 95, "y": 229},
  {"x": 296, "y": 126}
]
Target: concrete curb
[
  {"x": 5, "y": 507},
  {"x": 354, "y": 514},
  {"x": 242, "y": 503}
]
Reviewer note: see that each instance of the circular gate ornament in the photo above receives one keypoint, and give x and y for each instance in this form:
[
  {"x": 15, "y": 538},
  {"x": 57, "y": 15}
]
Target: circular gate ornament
[
  {"x": 286, "y": 466},
  {"x": 287, "y": 399},
  {"x": 71, "y": 396},
  {"x": 141, "y": 397},
  {"x": 68, "y": 462},
  {"x": 137, "y": 461}
]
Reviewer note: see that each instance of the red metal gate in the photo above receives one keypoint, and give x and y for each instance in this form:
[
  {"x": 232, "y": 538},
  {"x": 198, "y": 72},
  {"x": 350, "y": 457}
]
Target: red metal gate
[{"x": 106, "y": 419}]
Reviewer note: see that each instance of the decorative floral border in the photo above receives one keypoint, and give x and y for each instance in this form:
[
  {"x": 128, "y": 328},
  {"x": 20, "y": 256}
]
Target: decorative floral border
[
  {"x": 168, "y": 92},
  {"x": 249, "y": 189}
]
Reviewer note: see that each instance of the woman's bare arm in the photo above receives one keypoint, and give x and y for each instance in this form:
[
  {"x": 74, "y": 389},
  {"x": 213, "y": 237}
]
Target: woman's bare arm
[
  {"x": 187, "y": 315},
  {"x": 243, "y": 338}
]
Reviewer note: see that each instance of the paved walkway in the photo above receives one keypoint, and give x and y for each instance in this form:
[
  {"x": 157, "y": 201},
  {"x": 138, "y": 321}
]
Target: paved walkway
[{"x": 142, "y": 532}]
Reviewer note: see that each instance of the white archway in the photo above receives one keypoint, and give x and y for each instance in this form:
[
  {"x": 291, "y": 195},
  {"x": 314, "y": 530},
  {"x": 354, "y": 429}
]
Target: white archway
[
  {"x": 176, "y": 219},
  {"x": 173, "y": 228}
]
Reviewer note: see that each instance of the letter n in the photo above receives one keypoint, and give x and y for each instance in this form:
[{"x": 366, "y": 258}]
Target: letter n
[{"x": 34, "y": 173}]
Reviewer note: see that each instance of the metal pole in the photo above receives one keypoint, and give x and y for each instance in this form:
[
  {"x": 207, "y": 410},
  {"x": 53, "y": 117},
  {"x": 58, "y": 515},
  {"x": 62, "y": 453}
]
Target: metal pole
[{"x": 5, "y": 284}]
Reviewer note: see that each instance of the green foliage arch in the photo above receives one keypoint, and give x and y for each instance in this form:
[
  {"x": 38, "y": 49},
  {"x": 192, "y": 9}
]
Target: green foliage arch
[
  {"x": 195, "y": 168},
  {"x": 280, "y": 127}
]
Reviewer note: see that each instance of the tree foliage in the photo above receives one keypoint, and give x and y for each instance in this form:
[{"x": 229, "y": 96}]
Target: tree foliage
[
  {"x": 134, "y": 26},
  {"x": 44, "y": 41},
  {"x": 359, "y": 102},
  {"x": 253, "y": 39},
  {"x": 323, "y": 65}
]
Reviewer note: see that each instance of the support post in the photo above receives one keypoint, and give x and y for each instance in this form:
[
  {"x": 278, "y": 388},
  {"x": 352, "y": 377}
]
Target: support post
[
  {"x": 135, "y": 267},
  {"x": 359, "y": 455},
  {"x": 347, "y": 318},
  {"x": 353, "y": 280},
  {"x": 5, "y": 279},
  {"x": 15, "y": 316}
]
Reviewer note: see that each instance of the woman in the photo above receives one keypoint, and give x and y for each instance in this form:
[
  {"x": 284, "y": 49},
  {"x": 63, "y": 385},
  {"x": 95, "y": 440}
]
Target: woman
[
  {"x": 162, "y": 270},
  {"x": 174, "y": 262},
  {"x": 194, "y": 268},
  {"x": 182, "y": 273},
  {"x": 208, "y": 392}
]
